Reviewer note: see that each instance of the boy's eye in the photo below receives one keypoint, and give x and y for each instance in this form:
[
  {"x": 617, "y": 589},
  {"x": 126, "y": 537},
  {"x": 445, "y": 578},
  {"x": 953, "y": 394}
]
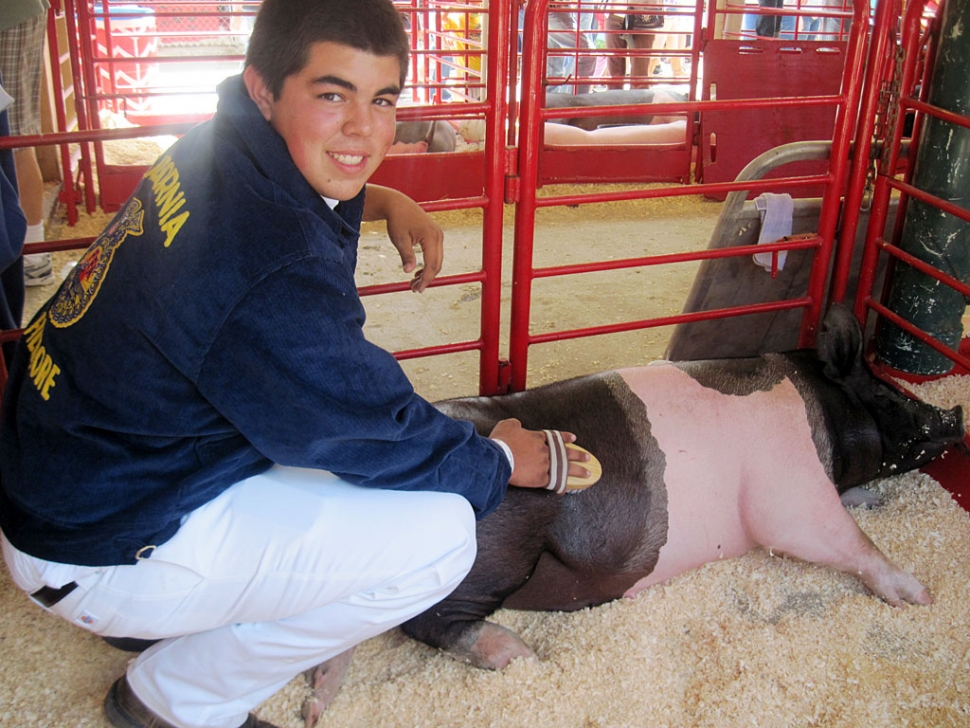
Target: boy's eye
[{"x": 385, "y": 102}]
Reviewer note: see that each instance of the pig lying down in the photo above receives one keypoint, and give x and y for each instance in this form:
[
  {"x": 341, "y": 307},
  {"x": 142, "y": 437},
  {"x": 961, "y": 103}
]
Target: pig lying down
[{"x": 701, "y": 461}]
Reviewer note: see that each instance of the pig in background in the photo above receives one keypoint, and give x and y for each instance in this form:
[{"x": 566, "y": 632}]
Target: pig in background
[
  {"x": 425, "y": 135},
  {"x": 701, "y": 461}
]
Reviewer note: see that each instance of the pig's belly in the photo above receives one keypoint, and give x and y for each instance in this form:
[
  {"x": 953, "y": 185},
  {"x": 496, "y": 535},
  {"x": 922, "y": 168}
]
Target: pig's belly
[{"x": 707, "y": 439}]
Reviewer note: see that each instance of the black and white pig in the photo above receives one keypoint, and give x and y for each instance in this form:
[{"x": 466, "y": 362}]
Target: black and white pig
[{"x": 701, "y": 461}]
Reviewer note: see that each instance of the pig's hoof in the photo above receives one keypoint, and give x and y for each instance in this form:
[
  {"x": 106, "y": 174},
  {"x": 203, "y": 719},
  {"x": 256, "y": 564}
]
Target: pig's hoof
[
  {"x": 491, "y": 647},
  {"x": 325, "y": 680},
  {"x": 902, "y": 587},
  {"x": 859, "y": 496},
  {"x": 920, "y": 595}
]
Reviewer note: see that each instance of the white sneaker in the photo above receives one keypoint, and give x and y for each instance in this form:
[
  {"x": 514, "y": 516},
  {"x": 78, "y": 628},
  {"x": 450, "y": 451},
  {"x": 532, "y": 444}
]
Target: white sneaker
[{"x": 38, "y": 269}]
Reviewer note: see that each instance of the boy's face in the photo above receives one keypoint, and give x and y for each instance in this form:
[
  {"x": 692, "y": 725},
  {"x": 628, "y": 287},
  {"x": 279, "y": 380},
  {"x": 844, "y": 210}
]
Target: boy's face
[{"x": 336, "y": 115}]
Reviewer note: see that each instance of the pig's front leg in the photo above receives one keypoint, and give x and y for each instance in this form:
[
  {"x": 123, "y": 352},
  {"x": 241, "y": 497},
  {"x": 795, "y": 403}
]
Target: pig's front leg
[
  {"x": 479, "y": 643},
  {"x": 807, "y": 520},
  {"x": 457, "y": 624}
]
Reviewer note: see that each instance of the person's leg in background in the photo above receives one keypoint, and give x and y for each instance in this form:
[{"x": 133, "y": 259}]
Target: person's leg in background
[
  {"x": 768, "y": 26},
  {"x": 563, "y": 36},
  {"x": 615, "y": 41},
  {"x": 38, "y": 267},
  {"x": 12, "y": 227},
  {"x": 21, "y": 64},
  {"x": 586, "y": 65},
  {"x": 640, "y": 66}
]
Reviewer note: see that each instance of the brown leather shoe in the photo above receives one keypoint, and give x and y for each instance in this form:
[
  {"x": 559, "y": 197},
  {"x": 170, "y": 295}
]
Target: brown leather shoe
[{"x": 124, "y": 709}]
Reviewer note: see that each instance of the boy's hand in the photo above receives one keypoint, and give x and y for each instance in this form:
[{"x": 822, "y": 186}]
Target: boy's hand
[
  {"x": 414, "y": 229},
  {"x": 410, "y": 228},
  {"x": 531, "y": 454}
]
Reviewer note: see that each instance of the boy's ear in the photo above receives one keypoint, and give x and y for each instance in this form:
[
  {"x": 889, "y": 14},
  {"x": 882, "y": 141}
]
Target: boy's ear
[{"x": 259, "y": 92}]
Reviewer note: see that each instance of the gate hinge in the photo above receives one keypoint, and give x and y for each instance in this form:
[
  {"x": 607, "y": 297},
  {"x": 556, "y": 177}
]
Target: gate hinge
[
  {"x": 504, "y": 376},
  {"x": 512, "y": 189},
  {"x": 512, "y": 180}
]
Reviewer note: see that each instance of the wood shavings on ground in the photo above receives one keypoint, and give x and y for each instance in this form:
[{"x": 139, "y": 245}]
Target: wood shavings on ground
[{"x": 759, "y": 640}]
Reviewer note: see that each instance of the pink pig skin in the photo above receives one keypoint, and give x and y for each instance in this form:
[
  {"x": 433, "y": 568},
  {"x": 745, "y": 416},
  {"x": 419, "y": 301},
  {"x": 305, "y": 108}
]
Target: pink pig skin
[{"x": 743, "y": 471}]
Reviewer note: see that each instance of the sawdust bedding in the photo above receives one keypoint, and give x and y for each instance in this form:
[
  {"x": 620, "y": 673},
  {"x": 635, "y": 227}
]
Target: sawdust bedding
[{"x": 759, "y": 640}]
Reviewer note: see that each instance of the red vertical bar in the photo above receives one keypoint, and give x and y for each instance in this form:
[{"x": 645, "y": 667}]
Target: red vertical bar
[
  {"x": 497, "y": 70},
  {"x": 831, "y": 198},
  {"x": 530, "y": 140},
  {"x": 87, "y": 24},
  {"x": 78, "y": 65},
  {"x": 881, "y": 59},
  {"x": 69, "y": 194},
  {"x": 882, "y": 190}
]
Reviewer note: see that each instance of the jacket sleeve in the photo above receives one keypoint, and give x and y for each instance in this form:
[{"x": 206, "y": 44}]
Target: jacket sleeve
[{"x": 292, "y": 371}]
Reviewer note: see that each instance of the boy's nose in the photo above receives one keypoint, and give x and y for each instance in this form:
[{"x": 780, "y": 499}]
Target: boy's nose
[{"x": 359, "y": 120}]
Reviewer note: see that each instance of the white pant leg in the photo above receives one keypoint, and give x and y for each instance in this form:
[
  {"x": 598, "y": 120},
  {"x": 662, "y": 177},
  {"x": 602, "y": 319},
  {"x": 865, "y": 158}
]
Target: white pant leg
[{"x": 279, "y": 573}]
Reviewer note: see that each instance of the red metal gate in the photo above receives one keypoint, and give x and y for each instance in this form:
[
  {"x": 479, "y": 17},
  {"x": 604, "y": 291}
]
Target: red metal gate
[
  {"x": 532, "y": 153},
  {"x": 476, "y": 61},
  {"x": 904, "y": 92}
]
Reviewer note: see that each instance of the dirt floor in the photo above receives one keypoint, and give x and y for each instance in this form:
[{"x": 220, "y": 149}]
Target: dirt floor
[{"x": 760, "y": 640}]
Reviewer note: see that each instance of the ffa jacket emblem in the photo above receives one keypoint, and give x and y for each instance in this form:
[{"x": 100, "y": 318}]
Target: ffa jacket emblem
[{"x": 82, "y": 285}]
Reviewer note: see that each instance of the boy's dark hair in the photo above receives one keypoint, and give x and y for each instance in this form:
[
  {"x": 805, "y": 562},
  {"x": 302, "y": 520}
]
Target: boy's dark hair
[{"x": 285, "y": 29}]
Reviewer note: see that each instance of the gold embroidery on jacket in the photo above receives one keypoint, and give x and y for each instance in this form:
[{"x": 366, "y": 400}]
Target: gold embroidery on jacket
[{"x": 82, "y": 285}]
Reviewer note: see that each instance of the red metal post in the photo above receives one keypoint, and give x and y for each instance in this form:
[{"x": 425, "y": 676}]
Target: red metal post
[
  {"x": 497, "y": 72},
  {"x": 85, "y": 81},
  {"x": 882, "y": 187},
  {"x": 832, "y": 197},
  {"x": 69, "y": 194},
  {"x": 882, "y": 56},
  {"x": 530, "y": 138}
]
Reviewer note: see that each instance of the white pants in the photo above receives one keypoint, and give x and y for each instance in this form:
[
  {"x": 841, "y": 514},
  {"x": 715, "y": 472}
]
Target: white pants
[{"x": 278, "y": 574}]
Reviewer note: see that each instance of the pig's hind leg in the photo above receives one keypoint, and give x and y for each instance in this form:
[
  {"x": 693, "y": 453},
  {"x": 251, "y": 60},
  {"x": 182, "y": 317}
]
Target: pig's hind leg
[
  {"x": 477, "y": 642},
  {"x": 808, "y": 522},
  {"x": 509, "y": 547}
]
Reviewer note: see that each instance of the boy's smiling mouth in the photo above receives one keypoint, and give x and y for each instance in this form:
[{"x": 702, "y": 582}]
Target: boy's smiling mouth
[{"x": 349, "y": 159}]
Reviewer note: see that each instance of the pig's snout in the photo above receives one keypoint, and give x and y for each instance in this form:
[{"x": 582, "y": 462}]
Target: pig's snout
[
  {"x": 953, "y": 420},
  {"x": 950, "y": 429},
  {"x": 945, "y": 428}
]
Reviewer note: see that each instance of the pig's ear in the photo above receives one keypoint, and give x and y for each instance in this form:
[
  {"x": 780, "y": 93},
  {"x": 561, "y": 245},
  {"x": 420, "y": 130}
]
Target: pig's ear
[{"x": 839, "y": 342}]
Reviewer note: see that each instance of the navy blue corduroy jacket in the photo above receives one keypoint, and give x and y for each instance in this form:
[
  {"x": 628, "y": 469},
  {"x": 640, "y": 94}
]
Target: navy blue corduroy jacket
[{"x": 213, "y": 329}]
